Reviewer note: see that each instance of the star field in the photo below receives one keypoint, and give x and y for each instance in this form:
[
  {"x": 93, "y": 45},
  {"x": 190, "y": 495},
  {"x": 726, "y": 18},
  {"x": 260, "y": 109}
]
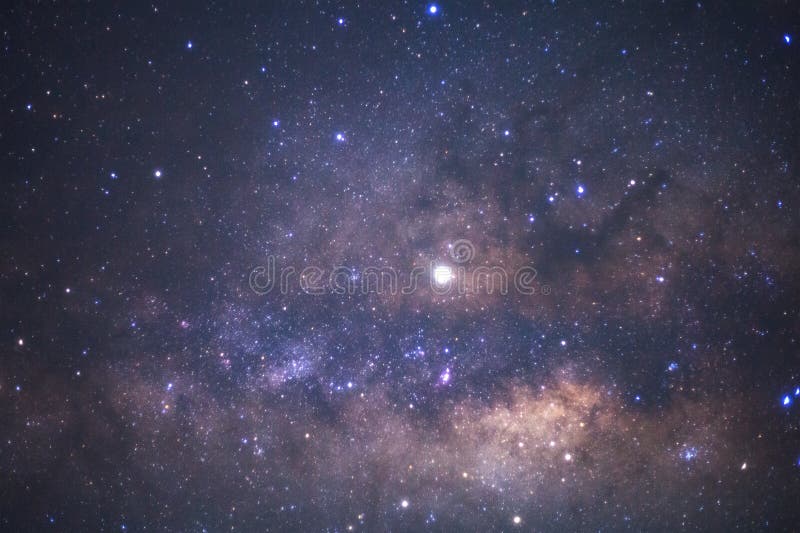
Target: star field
[{"x": 456, "y": 266}]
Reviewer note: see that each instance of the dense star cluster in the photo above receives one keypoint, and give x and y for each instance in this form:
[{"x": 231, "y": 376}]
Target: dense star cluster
[{"x": 456, "y": 266}]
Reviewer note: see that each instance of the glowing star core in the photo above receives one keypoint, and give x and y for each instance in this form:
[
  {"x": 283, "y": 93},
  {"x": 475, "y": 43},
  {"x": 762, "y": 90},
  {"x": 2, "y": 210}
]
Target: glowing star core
[{"x": 442, "y": 274}]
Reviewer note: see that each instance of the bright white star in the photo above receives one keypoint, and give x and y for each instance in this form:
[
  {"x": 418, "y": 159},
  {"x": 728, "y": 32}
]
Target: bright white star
[{"x": 442, "y": 274}]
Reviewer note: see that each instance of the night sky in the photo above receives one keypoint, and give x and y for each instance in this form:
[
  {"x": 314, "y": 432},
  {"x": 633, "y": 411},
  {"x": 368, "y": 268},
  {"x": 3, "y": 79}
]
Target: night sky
[{"x": 590, "y": 210}]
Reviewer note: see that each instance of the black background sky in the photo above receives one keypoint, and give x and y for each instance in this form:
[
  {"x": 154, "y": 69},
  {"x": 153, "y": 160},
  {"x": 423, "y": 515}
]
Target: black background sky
[{"x": 642, "y": 157}]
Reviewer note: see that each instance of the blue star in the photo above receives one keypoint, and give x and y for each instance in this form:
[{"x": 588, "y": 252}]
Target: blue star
[
  {"x": 433, "y": 9},
  {"x": 580, "y": 190},
  {"x": 787, "y": 38},
  {"x": 787, "y": 400},
  {"x": 189, "y": 45}
]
